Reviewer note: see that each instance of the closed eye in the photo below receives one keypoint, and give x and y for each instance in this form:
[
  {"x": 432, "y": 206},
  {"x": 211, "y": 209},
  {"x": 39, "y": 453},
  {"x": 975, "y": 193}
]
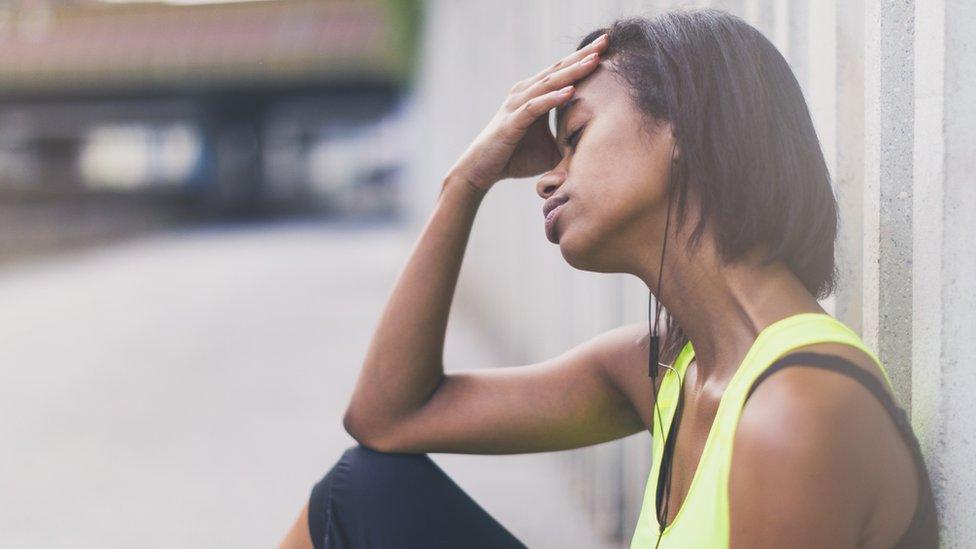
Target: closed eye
[{"x": 570, "y": 140}]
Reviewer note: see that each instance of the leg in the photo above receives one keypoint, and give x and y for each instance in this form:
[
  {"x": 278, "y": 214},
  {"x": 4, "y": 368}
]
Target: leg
[
  {"x": 372, "y": 499},
  {"x": 298, "y": 537}
]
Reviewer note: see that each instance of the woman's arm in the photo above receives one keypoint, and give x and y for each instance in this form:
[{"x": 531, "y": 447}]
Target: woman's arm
[
  {"x": 403, "y": 400},
  {"x": 404, "y": 364},
  {"x": 568, "y": 401}
]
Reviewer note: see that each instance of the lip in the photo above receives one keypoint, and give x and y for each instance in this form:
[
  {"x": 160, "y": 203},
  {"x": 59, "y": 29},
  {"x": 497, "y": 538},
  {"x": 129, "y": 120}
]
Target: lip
[
  {"x": 551, "y": 204},
  {"x": 550, "y": 224}
]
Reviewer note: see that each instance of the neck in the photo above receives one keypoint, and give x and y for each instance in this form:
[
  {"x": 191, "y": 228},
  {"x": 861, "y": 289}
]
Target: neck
[{"x": 722, "y": 308}]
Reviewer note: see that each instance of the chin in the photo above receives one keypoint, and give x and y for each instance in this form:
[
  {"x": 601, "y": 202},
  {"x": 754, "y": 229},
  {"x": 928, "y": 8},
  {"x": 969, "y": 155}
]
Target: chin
[{"x": 583, "y": 253}]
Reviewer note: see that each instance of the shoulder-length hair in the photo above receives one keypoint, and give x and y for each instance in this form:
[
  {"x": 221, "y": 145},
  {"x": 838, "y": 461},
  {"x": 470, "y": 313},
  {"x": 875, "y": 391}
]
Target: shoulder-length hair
[{"x": 748, "y": 148}]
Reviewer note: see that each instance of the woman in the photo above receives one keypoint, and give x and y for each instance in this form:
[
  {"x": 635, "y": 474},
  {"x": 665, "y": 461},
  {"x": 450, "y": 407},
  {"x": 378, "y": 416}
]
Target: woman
[{"x": 693, "y": 115}]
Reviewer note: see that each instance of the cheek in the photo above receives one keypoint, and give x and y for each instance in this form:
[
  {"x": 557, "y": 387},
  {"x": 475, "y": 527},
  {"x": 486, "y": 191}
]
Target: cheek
[
  {"x": 618, "y": 175},
  {"x": 607, "y": 164},
  {"x": 622, "y": 181},
  {"x": 612, "y": 209}
]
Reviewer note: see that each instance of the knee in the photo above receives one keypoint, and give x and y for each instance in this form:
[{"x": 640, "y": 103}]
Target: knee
[
  {"x": 361, "y": 455},
  {"x": 365, "y": 472},
  {"x": 361, "y": 483},
  {"x": 361, "y": 464},
  {"x": 367, "y": 483},
  {"x": 371, "y": 470}
]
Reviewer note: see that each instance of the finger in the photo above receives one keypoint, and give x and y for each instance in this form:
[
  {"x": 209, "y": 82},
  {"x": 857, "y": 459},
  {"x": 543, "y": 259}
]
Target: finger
[
  {"x": 597, "y": 45},
  {"x": 561, "y": 78},
  {"x": 531, "y": 110}
]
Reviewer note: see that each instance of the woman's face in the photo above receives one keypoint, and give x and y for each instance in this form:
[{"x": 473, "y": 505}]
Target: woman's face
[{"x": 614, "y": 175}]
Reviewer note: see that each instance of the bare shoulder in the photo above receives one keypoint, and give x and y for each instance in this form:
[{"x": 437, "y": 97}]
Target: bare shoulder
[
  {"x": 814, "y": 447},
  {"x": 825, "y": 402}
]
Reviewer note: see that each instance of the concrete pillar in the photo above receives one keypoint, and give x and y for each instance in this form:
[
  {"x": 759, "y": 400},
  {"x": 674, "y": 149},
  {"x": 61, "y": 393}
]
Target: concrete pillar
[
  {"x": 944, "y": 292},
  {"x": 889, "y": 134},
  {"x": 848, "y": 174}
]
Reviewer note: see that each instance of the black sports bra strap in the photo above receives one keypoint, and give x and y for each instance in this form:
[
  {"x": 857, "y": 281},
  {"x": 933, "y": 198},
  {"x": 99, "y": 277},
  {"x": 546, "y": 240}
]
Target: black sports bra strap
[
  {"x": 923, "y": 531},
  {"x": 843, "y": 366}
]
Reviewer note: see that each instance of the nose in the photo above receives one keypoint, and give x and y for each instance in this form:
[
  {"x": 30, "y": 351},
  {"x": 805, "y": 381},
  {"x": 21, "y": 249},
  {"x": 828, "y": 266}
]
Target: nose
[{"x": 549, "y": 182}]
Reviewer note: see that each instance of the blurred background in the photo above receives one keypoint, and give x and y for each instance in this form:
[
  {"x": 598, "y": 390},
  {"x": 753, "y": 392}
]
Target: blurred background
[{"x": 204, "y": 206}]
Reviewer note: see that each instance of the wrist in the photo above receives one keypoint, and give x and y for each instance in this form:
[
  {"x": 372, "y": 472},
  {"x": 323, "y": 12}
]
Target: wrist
[{"x": 456, "y": 180}]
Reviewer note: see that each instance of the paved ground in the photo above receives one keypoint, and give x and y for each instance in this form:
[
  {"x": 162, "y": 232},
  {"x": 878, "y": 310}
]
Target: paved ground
[{"x": 186, "y": 390}]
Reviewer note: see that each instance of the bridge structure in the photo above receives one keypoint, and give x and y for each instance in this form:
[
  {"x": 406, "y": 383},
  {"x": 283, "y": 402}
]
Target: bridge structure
[{"x": 218, "y": 100}]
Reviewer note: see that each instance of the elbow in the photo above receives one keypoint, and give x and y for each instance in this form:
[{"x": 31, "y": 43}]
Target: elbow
[
  {"x": 353, "y": 426},
  {"x": 349, "y": 425},
  {"x": 363, "y": 434}
]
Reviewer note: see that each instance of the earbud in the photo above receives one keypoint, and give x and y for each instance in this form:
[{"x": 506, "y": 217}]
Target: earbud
[{"x": 654, "y": 356}]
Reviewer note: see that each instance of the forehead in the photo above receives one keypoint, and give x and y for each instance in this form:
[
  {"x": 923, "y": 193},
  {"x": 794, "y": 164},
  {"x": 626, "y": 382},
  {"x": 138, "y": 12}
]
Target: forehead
[{"x": 602, "y": 89}]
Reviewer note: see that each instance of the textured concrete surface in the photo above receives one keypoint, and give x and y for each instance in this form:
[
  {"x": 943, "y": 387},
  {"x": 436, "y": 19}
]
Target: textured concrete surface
[
  {"x": 186, "y": 390},
  {"x": 944, "y": 313}
]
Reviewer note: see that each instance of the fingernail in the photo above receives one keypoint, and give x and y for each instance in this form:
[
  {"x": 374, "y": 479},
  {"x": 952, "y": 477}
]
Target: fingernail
[
  {"x": 602, "y": 38},
  {"x": 588, "y": 59},
  {"x": 566, "y": 90}
]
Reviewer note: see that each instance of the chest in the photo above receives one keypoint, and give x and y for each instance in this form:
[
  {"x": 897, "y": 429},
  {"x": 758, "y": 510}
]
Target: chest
[{"x": 687, "y": 435}]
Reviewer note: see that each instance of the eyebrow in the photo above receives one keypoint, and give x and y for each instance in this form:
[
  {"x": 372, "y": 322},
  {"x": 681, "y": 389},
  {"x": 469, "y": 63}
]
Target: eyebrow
[{"x": 562, "y": 111}]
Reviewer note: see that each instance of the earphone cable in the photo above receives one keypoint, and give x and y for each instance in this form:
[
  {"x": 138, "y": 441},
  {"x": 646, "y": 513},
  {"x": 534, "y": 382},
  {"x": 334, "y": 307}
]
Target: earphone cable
[{"x": 654, "y": 357}]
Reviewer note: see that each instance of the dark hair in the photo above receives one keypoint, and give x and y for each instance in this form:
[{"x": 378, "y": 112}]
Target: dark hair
[{"x": 748, "y": 148}]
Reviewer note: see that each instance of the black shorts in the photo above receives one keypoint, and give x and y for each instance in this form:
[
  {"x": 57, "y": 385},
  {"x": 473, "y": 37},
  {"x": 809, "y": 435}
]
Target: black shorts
[{"x": 372, "y": 499}]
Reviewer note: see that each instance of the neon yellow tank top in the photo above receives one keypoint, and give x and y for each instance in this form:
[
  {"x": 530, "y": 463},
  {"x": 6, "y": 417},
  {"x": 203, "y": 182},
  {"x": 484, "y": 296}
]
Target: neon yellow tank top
[{"x": 702, "y": 520}]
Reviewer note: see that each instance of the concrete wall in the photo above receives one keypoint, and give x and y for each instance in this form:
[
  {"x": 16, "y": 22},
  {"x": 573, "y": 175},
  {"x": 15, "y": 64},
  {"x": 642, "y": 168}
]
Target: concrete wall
[
  {"x": 943, "y": 213},
  {"x": 888, "y": 84}
]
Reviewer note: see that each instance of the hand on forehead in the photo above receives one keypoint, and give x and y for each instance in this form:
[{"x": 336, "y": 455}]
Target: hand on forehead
[{"x": 596, "y": 89}]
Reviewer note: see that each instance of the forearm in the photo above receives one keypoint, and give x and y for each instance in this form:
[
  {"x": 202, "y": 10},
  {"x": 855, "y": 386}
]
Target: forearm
[
  {"x": 402, "y": 374},
  {"x": 404, "y": 362}
]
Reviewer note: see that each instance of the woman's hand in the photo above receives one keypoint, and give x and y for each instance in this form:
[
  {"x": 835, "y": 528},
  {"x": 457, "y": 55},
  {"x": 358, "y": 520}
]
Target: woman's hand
[{"x": 517, "y": 142}]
